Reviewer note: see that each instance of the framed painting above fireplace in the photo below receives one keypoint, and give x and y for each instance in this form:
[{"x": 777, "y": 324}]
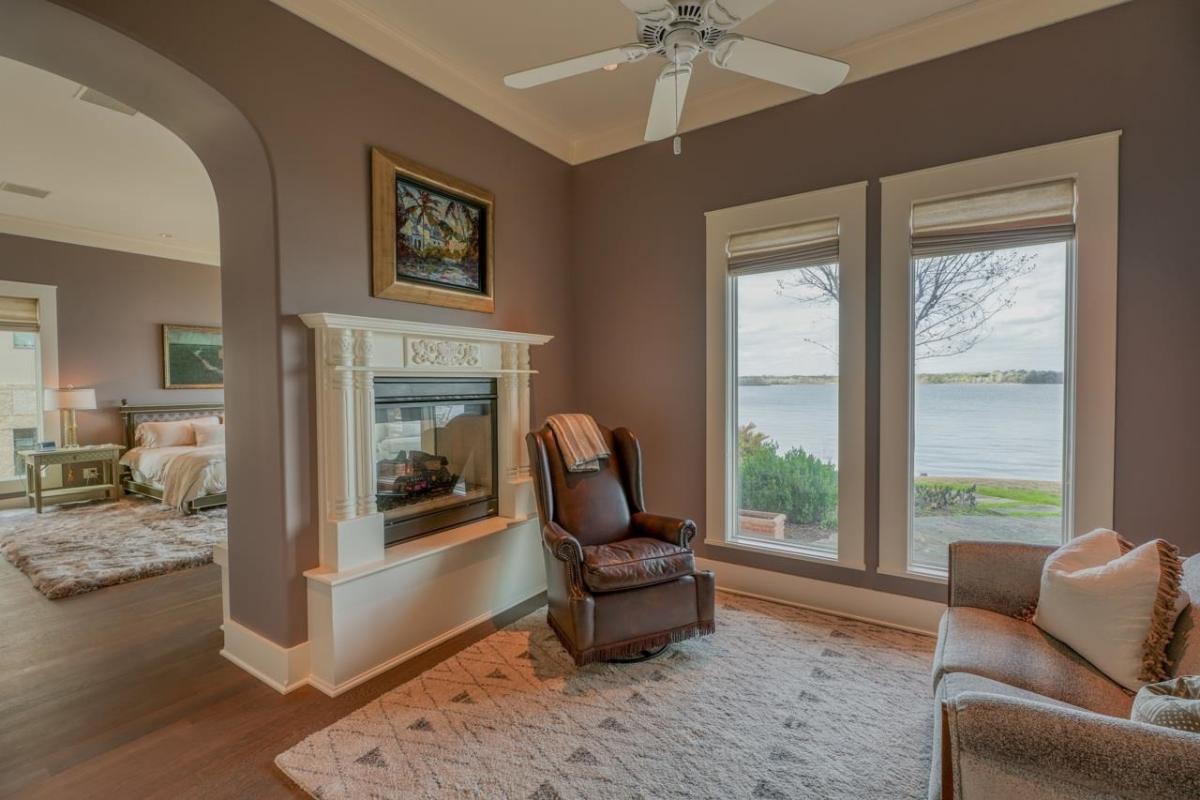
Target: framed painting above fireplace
[{"x": 432, "y": 236}]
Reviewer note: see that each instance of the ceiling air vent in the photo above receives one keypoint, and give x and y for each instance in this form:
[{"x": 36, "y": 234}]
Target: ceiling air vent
[
  {"x": 98, "y": 98},
  {"x": 28, "y": 191}
]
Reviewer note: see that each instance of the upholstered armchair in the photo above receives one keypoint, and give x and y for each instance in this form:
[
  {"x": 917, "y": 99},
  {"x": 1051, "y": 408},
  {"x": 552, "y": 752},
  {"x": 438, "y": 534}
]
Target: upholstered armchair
[{"x": 621, "y": 583}]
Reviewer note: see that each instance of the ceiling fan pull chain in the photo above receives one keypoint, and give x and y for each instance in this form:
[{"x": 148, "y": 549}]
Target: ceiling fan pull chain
[{"x": 677, "y": 142}]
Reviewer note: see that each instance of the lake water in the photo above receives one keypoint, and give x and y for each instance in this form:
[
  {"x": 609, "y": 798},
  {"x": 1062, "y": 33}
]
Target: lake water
[{"x": 997, "y": 430}]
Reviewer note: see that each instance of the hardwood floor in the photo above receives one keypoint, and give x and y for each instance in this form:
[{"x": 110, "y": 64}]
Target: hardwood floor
[{"x": 123, "y": 693}]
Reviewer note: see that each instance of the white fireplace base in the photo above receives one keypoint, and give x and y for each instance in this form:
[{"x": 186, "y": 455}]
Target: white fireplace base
[
  {"x": 368, "y": 620},
  {"x": 371, "y": 607}
]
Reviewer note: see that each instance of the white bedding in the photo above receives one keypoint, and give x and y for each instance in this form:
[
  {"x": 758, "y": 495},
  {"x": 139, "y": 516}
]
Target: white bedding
[{"x": 183, "y": 473}]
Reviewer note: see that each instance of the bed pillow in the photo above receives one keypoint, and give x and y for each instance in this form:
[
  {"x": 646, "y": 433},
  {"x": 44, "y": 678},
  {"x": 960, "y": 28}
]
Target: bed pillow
[
  {"x": 208, "y": 434},
  {"x": 1114, "y": 604},
  {"x": 173, "y": 433}
]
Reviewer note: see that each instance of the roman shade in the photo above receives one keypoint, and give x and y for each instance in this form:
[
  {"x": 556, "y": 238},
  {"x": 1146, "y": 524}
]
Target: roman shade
[
  {"x": 804, "y": 244},
  {"x": 18, "y": 314},
  {"x": 1014, "y": 217}
]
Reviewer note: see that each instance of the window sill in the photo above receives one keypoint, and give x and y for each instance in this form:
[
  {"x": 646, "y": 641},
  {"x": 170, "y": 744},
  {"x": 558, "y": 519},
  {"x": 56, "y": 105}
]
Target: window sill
[
  {"x": 927, "y": 574},
  {"x": 784, "y": 551}
]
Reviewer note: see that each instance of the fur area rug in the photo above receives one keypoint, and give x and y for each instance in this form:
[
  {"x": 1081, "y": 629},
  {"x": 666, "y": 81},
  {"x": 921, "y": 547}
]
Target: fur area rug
[
  {"x": 73, "y": 549},
  {"x": 779, "y": 703}
]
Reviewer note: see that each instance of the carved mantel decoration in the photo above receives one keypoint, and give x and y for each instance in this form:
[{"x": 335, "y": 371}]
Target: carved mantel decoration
[
  {"x": 350, "y": 353},
  {"x": 443, "y": 353}
]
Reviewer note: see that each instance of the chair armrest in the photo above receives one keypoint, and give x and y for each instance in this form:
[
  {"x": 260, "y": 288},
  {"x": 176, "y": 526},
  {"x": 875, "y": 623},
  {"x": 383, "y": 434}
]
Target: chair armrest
[
  {"x": 1043, "y": 749},
  {"x": 669, "y": 529},
  {"x": 566, "y": 548},
  {"x": 562, "y": 544},
  {"x": 1004, "y": 577}
]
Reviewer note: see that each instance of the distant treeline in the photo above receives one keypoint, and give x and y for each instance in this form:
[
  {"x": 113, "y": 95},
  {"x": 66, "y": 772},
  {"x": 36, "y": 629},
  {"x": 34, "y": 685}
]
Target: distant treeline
[
  {"x": 784, "y": 380},
  {"x": 996, "y": 376}
]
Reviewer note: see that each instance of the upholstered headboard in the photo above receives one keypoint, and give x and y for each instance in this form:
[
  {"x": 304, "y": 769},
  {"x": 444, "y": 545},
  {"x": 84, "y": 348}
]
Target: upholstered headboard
[{"x": 136, "y": 415}]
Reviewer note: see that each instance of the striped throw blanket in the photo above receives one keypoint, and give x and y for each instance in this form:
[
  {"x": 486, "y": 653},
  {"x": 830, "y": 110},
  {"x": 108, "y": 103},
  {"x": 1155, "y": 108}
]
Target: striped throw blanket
[{"x": 579, "y": 440}]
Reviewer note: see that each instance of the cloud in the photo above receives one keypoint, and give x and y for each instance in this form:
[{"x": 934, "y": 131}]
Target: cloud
[{"x": 780, "y": 335}]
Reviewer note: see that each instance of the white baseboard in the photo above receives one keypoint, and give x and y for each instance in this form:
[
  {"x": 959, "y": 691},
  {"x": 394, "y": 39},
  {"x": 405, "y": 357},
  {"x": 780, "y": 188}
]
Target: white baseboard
[
  {"x": 369, "y": 620},
  {"x": 867, "y": 605},
  {"x": 284, "y": 669}
]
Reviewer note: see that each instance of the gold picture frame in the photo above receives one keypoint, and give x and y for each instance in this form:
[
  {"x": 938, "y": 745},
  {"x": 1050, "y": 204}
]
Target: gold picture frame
[
  {"x": 192, "y": 356},
  {"x": 438, "y": 249}
]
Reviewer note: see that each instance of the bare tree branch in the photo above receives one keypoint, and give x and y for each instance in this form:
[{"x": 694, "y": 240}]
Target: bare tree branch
[{"x": 954, "y": 296}]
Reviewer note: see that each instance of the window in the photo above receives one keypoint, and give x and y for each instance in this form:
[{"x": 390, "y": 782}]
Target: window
[
  {"x": 28, "y": 360},
  {"x": 987, "y": 344},
  {"x": 786, "y": 376},
  {"x": 785, "y": 292}
]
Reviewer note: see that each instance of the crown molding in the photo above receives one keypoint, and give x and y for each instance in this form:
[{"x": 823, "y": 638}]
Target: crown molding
[
  {"x": 486, "y": 96},
  {"x": 933, "y": 37},
  {"x": 925, "y": 40},
  {"x": 88, "y": 237}
]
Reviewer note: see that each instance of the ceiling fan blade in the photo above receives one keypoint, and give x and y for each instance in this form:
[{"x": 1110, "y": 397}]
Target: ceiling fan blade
[
  {"x": 778, "y": 64},
  {"x": 727, "y": 13},
  {"x": 666, "y": 106},
  {"x": 653, "y": 10},
  {"x": 575, "y": 66}
]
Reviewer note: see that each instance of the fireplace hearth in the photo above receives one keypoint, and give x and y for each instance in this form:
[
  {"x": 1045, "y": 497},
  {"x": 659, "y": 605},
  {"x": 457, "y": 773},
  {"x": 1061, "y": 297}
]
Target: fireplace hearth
[{"x": 435, "y": 453}]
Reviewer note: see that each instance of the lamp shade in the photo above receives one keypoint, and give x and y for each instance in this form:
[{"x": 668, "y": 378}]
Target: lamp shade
[{"x": 70, "y": 398}]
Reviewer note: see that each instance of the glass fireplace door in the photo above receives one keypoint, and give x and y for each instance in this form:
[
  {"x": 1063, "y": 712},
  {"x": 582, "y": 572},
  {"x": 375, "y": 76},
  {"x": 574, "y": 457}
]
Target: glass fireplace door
[{"x": 435, "y": 453}]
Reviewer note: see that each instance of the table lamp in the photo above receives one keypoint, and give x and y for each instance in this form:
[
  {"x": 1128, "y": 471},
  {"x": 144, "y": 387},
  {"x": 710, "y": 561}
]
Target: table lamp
[{"x": 68, "y": 401}]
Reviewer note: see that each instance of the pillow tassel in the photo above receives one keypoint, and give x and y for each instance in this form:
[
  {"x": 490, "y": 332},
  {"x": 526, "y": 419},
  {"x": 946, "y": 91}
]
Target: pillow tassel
[{"x": 1155, "y": 665}]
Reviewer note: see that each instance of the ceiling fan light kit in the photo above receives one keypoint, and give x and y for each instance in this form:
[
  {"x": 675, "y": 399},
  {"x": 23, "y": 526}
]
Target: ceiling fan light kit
[{"x": 679, "y": 31}]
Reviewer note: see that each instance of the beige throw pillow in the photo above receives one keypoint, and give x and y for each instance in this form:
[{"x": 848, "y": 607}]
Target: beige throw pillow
[
  {"x": 172, "y": 433},
  {"x": 209, "y": 435},
  {"x": 1114, "y": 604}
]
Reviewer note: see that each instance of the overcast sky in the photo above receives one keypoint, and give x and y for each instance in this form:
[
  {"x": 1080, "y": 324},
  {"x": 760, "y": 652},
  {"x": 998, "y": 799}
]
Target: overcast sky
[{"x": 780, "y": 336}]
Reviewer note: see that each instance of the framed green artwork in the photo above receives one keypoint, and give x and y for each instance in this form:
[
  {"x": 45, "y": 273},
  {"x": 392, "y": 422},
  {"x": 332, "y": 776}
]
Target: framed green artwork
[{"x": 193, "y": 357}]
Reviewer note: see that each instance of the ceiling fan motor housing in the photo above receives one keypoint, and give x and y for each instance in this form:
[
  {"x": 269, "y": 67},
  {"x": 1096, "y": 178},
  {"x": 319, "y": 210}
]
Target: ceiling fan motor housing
[{"x": 691, "y": 31}]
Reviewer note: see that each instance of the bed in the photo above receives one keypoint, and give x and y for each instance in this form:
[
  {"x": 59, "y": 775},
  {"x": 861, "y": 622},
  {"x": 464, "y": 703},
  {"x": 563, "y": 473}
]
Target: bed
[{"x": 188, "y": 477}]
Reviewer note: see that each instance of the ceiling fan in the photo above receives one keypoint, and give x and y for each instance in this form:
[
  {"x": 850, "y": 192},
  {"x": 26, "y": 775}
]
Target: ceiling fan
[{"x": 679, "y": 31}]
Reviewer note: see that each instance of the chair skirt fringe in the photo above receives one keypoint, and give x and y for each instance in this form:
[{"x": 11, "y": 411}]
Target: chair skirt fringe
[{"x": 631, "y": 647}]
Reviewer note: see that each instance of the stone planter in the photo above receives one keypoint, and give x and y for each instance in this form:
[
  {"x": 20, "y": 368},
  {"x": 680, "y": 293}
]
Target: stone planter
[{"x": 761, "y": 523}]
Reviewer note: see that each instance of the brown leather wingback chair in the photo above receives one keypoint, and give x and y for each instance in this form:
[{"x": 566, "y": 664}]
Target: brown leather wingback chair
[{"x": 621, "y": 583}]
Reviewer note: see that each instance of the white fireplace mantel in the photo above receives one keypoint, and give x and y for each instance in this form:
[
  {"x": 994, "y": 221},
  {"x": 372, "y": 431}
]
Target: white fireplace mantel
[
  {"x": 350, "y": 352},
  {"x": 371, "y": 607}
]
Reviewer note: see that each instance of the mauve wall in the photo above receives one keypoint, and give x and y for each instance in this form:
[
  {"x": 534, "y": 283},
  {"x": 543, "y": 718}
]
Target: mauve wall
[
  {"x": 318, "y": 105},
  {"x": 111, "y": 307},
  {"x": 638, "y": 241}
]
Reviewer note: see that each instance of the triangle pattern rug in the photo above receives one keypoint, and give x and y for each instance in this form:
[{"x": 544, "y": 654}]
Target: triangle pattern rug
[{"x": 779, "y": 702}]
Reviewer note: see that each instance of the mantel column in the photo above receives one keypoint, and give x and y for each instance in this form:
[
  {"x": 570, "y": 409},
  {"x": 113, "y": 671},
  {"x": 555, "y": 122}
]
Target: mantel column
[
  {"x": 516, "y": 491},
  {"x": 364, "y": 419},
  {"x": 350, "y": 525}
]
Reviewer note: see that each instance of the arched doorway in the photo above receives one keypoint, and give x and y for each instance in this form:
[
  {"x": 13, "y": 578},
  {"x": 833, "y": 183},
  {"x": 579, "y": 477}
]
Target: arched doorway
[{"x": 53, "y": 38}]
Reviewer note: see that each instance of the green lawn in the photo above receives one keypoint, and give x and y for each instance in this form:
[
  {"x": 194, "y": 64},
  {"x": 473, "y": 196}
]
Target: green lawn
[
  {"x": 1004, "y": 510},
  {"x": 1046, "y": 494}
]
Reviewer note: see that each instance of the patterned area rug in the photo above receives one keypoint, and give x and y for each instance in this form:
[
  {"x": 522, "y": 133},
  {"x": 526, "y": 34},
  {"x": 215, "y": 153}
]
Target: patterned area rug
[
  {"x": 779, "y": 703},
  {"x": 73, "y": 549}
]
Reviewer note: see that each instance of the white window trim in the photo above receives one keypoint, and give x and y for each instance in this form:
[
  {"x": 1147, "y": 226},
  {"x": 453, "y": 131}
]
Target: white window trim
[
  {"x": 849, "y": 204},
  {"x": 47, "y": 349},
  {"x": 1092, "y": 346}
]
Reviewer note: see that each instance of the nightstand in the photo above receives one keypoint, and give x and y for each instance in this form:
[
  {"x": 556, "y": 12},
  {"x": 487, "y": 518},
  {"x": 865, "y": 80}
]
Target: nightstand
[{"x": 107, "y": 456}]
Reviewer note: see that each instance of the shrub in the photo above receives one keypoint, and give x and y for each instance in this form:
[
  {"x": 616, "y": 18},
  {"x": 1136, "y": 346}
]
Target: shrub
[
  {"x": 797, "y": 484},
  {"x": 953, "y": 497}
]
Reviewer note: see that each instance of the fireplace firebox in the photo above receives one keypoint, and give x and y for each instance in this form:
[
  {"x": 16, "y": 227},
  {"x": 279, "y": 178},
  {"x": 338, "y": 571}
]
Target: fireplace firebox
[{"x": 435, "y": 453}]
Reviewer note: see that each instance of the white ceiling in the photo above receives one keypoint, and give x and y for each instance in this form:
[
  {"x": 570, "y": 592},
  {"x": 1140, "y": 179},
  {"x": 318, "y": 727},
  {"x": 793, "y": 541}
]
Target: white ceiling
[
  {"x": 116, "y": 181},
  {"x": 463, "y": 48}
]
